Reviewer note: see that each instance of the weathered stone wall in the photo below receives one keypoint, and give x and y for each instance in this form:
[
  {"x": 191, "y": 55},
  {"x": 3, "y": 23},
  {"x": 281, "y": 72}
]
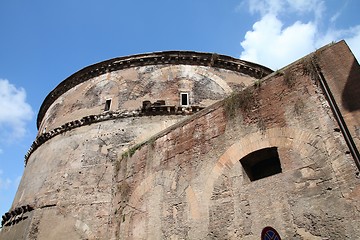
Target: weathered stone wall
[
  {"x": 189, "y": 182},
  {"x": 69, "y": 177}
]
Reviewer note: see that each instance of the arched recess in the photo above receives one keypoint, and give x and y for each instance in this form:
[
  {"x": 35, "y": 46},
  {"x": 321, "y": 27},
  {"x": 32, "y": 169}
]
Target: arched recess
[
  {"x": 193, "y": 72},
  {"x": 319, "y": 166},
  {"x": 196, "y": 73},
  {"x": 301, "y": 141}
]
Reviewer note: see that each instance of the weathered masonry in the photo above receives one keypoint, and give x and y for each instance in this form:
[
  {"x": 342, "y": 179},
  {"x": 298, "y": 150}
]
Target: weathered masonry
[{"x": 186, "y": 145}]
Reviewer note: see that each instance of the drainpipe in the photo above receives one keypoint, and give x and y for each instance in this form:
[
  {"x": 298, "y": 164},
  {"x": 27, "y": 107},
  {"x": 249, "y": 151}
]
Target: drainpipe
[{"x": 340, "y": 120}]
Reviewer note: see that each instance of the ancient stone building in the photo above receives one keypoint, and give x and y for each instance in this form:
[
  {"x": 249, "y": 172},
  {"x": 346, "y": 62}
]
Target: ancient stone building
[{"x": 186, "y": 145}]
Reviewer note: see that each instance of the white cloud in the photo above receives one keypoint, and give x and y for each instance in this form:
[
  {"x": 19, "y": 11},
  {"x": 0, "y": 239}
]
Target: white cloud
[
  {"x": 274, "y": 44},
  {"x": 350, "y": 35},
  {"x": 270, "y": 44},
  {"x": 14, "y": 111},
  {"x": 353, "y": 40}
]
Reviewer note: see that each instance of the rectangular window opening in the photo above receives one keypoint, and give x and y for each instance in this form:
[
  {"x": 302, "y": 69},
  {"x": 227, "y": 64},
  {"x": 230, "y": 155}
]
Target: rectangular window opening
[
  {"x": 184, "y": 99},
  {"x": 261, "y": 163},
  {"x": 107, "y": 105}
]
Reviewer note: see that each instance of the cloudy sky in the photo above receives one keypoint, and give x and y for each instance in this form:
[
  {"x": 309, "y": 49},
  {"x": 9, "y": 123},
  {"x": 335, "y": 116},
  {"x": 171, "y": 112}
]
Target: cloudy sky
[{"x": 42, "y": 42}]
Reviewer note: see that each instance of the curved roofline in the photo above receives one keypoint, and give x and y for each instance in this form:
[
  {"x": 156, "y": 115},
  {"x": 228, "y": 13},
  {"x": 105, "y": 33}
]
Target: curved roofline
[{"x": 155, "y": 58}]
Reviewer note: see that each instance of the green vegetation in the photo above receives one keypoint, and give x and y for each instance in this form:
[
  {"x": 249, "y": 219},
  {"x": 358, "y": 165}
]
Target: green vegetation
[
  {"x": 289, "y": 77},
  {"x": 261, "y": 125},
  {"x": 257, "y": 83},
  {"x": 130, "y": 152},
  {"x": 243, "y": 100},
  {"x": 151, "y": 142},
  {"x": 309, "y": 66},
  {"x": 299, "y": 107},
  {"x": 278, "y": 73}
]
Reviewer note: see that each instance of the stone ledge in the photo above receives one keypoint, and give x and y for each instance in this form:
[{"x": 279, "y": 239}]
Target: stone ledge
[
  {"x": 16, "y": 215},
  {"x": 87, "y": 120}
]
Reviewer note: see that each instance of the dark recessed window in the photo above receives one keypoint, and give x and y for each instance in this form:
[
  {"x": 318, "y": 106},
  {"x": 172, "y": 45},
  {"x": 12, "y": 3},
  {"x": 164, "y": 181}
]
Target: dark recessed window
[
  {"x": 261, "y": 163},
  {"x": 184, "y": 98},
  {"x": 107, "y": 105}
]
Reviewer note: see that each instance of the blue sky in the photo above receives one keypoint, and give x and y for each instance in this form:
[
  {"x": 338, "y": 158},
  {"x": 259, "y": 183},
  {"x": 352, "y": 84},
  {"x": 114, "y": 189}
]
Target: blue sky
[{"x": 43, "y": 42}]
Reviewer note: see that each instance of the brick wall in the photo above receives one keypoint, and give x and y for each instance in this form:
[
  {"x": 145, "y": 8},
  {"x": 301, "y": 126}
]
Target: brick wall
[{"x": 188, "y": 183}]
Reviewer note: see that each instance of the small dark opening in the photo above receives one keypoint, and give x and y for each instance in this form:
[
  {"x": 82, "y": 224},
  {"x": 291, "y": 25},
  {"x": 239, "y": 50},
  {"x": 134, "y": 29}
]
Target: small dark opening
[
  {"x": 184, "y": 99},
  {"x": 107, "y": 105},
  {"x": 261, "y": 163}
]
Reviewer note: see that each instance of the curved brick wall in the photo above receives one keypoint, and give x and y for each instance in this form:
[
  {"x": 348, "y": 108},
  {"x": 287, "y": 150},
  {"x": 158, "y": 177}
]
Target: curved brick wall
[{"x": 172, "y": 58}]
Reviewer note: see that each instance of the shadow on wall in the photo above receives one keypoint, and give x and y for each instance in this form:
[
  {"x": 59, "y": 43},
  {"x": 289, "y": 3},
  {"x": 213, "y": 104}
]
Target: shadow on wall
[{"x": 351, "y": 93}]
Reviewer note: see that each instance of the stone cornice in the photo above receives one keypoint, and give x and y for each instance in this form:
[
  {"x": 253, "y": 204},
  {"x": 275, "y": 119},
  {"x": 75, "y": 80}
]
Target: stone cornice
[
  {"x": 16, "y": 215},
  {"x": 157, "y": 58}
]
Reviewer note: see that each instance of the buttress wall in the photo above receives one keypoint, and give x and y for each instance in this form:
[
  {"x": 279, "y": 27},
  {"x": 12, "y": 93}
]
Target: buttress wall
[
  {"x": 342, "y": 74},
  {"x": 196, "y": 180}
]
